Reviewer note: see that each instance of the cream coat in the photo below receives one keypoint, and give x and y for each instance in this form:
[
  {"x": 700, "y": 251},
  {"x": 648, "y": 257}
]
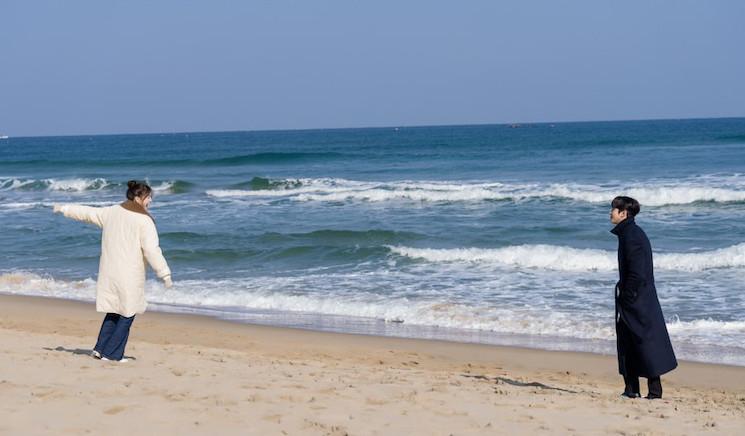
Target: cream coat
[{"x": 129, "y": 240}]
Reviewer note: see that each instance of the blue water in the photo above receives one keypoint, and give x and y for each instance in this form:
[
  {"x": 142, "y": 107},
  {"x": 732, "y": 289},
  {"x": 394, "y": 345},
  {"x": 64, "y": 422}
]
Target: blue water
[{"x": 495, "y": 234}]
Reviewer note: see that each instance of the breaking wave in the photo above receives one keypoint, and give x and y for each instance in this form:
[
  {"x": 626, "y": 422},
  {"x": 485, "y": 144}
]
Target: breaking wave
[
  {"x": 562, "y": 258},
  {"x": 261, "y": 293},
  {"x": 82, "y": 184},
  {"x": 338, "y": 190}
]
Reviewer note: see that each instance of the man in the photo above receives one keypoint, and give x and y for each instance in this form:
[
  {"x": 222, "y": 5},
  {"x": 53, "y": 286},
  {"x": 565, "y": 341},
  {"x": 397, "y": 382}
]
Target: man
[{"x": 644, "y": 348}]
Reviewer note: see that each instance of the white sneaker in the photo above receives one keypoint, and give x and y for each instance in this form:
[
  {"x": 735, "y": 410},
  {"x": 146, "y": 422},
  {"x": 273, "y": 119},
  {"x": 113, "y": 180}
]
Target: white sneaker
[
  {"x": 96, "y": 354},
  {"x": 122, "y": 360}
]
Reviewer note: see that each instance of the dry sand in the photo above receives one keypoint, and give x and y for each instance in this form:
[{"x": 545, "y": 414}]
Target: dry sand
[{"x": 197, "y": 375}]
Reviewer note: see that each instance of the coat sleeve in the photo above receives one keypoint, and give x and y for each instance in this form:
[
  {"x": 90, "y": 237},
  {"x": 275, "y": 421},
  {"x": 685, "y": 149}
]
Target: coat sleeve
[
  {"x": 86, "y": 214},
  {"x": 151, "y": 250},
  {"x": 636, "y": 265}
]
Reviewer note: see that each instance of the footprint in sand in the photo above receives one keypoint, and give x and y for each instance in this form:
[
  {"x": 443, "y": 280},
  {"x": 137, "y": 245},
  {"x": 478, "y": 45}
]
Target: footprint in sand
[
  {"x": 114, "y": 410},
  {"x": 273, "y": 418},
  {"x": 329, "y": 430},
  {"x": 375, "y": 401},
  {"x": 49, "y": 394},
  {"x": 5, "y": 384}
]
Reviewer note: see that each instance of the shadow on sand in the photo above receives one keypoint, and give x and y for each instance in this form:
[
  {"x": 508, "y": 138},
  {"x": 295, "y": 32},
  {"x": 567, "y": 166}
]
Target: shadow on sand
[
  {"x": 79, "y": 351},
  {"x": 512, "y": 382}
]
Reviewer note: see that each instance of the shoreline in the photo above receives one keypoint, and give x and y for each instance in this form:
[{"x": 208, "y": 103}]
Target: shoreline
[
  {"x": 477, "y": 352},
  {"x": 192, "y": 374},
  {"x": 366, "y": 326}
]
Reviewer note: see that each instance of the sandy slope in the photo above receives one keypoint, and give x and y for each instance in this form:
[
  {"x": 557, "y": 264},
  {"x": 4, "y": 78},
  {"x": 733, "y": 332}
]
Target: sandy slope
[{"x": 196, "y": 375}]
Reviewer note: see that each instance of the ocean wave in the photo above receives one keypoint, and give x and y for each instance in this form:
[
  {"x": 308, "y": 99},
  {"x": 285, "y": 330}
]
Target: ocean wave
[
  {"x": 48, "y": 204},
  {"x": 275, "y": 293},
  {"x": 357, "y": 236},
  {"x": 262, "y": 158},
  {"x": 562, "y": 258},
  {"x": 260, "y": 187},
  {"x": 271, "y": 158},
  {"x": 392, "y": 309},
  {"x": 70, "y": 185},
  {"x": 35, "y": 284},
  {"x": 339, "y": 190},
  {"x": 83, "y": 184},
  {"x": 705, "y": 326},
  {"x": 738, "y": 139},
  {"x": 173, "y": 187},
  {"x": 327, "y": 245},
  {"x": 261, "y": 183}
]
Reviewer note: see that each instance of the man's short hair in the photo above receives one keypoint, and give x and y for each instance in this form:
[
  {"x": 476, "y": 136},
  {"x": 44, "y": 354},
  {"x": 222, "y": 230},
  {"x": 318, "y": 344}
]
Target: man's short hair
[{"x": 627, "y": 204}]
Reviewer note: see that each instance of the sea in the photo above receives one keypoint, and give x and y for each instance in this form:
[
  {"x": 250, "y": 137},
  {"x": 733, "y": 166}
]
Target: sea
[{"x": 495, "y": 234}]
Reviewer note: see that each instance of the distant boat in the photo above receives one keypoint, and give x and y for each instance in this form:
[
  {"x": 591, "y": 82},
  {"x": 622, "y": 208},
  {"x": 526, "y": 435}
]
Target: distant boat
[{"x": 3, "y": 136}]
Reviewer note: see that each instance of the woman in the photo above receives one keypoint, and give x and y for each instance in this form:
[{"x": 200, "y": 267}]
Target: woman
[{"x": 129, "y": 238}]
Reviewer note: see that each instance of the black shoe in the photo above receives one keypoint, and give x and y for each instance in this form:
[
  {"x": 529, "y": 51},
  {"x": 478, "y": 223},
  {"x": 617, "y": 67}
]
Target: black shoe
[
  {"x": 631, "y": 394},
  {"x": 653, "y": 397}
]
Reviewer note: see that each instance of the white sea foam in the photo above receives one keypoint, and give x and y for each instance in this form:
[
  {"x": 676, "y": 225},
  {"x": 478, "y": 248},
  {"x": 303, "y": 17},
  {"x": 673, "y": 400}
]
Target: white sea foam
[
  {"x": 34, "y": 284},
  {"x": 411, "y": 312},
  {"x": 335, "y": 190},
  {"x": 297, "y": 187},
  {"x": 705, "y": 326},
  {"x": 13, "y": 183},
  {"x": 220, "y": 193},
  {"x": 650, "y": 196},
  {"x": 49, "y": 204},
  {"x": 77, "y": 184},
  {"x": 72, "y": 185},
  {"x": 18, "y": 206},
  {"x": 69, "y": 185},
  {"x": 263, "y": 293},
  {"x": 163, "y": 186},
  {"x": 562, "y": 258},
  {"x": 526, "y": 256}
]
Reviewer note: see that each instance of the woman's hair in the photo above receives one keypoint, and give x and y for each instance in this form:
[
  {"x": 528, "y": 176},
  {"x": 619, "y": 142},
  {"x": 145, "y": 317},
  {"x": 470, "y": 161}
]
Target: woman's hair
[
  {"x": 627, "y": 204},
  {"x": 138, "y": 189}
]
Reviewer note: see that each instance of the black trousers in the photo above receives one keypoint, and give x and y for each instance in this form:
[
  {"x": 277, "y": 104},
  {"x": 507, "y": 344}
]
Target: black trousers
[
  {"x": 626, "y": 356},
  {"x": 654, "y": 385}
]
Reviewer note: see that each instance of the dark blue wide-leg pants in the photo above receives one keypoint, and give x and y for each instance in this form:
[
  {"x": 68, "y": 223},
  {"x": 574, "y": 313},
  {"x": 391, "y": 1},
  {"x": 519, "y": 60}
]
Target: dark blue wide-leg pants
[{"x": 112, "y": 339}]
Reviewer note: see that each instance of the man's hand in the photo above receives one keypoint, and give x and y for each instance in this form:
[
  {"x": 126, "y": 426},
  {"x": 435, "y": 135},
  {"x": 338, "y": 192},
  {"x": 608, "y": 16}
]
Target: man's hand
[{"x": 167, "y": 282}]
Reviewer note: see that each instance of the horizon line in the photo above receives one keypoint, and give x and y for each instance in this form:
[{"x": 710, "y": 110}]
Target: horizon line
[{"x": 400, "y": 126}]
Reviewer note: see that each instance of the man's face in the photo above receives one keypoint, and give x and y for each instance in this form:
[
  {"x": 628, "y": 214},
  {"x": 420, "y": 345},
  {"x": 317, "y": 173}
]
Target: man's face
[{"x": 616, "y": 215}]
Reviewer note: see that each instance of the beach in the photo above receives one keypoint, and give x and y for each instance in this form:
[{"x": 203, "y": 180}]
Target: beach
[
  {"x": 194, "y": 375},
  {"x": 424, "y": 280},
  {"x": 342, "y": 218},
  {"x": 480, "y": 233}
]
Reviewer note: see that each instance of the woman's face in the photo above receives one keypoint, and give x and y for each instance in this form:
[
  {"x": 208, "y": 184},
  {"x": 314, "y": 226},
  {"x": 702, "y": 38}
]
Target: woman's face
[{"x": 144, "y": 202}]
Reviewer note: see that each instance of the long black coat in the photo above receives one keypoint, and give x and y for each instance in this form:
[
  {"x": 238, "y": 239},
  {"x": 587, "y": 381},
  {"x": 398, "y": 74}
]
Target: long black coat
[{"x": 644, "y": 347}]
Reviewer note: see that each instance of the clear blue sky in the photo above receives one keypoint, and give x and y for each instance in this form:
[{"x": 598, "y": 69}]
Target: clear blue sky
[{"x": 69, "y": 67}]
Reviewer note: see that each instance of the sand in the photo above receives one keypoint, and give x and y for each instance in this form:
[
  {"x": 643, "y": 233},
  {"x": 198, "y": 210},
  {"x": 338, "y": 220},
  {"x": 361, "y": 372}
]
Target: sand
[{"x": 198, "y": 375}]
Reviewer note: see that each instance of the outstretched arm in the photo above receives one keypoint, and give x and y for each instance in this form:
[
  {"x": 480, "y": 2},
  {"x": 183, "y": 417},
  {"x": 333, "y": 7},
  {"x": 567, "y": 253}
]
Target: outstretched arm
[{"x": 86, "y": 214}]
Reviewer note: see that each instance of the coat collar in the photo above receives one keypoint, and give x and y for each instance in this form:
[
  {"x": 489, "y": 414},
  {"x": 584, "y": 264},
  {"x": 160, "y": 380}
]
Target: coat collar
[
  {"x": 620, "y": 227},
  {"x": 135, "y": 207}
]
